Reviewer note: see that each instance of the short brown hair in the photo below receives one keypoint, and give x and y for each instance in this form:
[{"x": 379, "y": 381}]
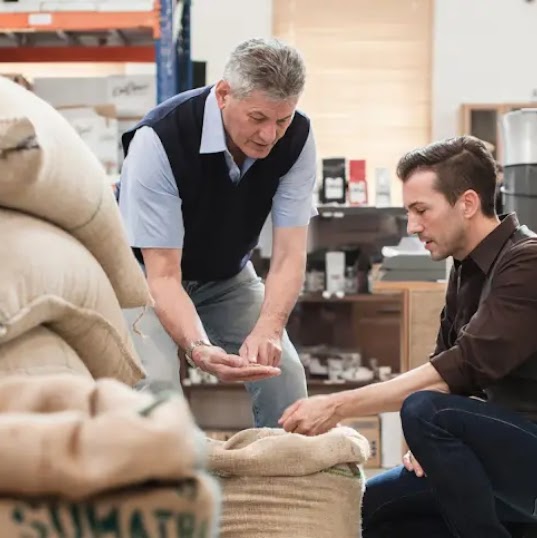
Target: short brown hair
[{"x": 460, "y": 164}]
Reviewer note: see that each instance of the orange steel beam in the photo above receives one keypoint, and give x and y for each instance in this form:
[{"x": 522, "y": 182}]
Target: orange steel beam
[
  {"x": 78, "y": 54},
  {"x": 81, "y": 20}
]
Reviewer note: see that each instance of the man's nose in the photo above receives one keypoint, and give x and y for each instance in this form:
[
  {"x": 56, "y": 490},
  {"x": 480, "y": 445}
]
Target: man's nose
[
  {"x": 268, "y": 134},
  {"x": 413, "y": 226}
]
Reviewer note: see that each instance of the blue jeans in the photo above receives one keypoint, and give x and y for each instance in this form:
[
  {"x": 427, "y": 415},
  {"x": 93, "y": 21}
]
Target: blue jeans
[
  {"x": 481, "y": 467},
  {"x": 228, "y": 310}
]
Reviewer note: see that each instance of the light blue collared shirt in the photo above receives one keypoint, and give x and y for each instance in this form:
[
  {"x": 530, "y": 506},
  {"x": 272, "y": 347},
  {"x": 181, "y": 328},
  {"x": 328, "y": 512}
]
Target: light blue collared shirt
[{"x": 150, "y": 203}]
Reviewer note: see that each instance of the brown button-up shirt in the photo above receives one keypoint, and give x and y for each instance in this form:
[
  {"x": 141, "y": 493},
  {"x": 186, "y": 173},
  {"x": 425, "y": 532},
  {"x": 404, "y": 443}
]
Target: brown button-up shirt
[{"x": 480, "y": 344}]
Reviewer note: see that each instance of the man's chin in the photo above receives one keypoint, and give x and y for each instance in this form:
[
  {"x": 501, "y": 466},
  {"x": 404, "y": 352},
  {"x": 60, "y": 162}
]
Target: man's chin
[
  {"x": 438, "y": 256},
  {"x": 257, "y": 153}
]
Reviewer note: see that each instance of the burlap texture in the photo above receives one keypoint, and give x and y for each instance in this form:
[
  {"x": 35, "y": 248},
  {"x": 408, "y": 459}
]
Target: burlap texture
[
  {"x": 46, "y": 170},
  {"x": 74, "y": 437},
  {"x": 47, "y": 276},
  {"x": 40, "y": 351},
  {"x": 274, "y": 452},
  {"x": 281, "y": 485},
  {"x": 184, "y": 509}
]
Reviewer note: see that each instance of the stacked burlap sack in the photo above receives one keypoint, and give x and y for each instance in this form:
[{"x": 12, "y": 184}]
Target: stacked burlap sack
[
  {"x": 284, "y": 485},
  {"x": 66, "y": 268},
  {"x": 81, "y": 459}
]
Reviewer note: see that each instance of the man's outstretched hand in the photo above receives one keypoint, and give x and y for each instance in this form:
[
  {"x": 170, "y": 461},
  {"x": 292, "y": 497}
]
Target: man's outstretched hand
[{"x": 226, "y": 367}]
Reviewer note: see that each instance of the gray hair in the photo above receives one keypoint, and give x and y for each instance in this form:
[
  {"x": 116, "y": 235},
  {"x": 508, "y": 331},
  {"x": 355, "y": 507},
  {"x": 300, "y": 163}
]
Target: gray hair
[{"x": 267, "y": 65}]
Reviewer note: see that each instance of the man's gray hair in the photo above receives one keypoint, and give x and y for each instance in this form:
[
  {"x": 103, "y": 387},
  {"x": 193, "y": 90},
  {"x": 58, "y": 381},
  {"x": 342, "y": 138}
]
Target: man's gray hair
[{"x": 267, "y": 65}]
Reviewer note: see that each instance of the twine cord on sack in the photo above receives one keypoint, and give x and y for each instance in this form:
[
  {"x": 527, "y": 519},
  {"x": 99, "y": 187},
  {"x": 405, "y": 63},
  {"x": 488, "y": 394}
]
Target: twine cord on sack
[
  {"x": 135, "y": 323},
  {"x": 160, "y": 399},
  {"x": 350, "y": 472},
  {"x": 23, "y": 145}
]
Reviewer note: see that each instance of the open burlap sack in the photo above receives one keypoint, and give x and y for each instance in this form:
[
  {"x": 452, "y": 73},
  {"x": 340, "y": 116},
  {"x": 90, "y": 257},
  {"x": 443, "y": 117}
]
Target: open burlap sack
[
  {"x": 37, "y": 352},
  {"x": 47, "y": 170},
  {"x": 48, "y": 277},
  {"x": 74, "y": 437},
  {"x": 183, "y": 509},
  {"x": 280, "y": 485}
]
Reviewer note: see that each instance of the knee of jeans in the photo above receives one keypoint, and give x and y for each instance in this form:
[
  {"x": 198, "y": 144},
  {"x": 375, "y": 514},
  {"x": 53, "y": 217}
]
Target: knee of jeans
[
  {"x": 290, "y": 361},
  {"x": 369, "y": 504},
  {"x": 416, "y": 407},
  {"x": 377, "y": 493}
]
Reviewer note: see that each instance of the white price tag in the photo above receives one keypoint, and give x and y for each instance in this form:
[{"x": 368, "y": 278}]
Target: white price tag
[{"x": 40, "y": 19}]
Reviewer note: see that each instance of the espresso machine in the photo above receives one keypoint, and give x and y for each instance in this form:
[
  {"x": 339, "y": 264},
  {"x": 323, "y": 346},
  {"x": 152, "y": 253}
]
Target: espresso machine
[{"x": 519, "y": 189}]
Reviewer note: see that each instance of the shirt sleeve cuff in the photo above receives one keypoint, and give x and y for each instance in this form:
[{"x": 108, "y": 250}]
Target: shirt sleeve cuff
[{"x": 449, "y": 365}]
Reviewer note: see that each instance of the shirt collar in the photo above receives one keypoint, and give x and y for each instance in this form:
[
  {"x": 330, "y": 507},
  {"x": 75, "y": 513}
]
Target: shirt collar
[
  {"x": 213, "y": 137},
  {"x": 486, "y": 252}
]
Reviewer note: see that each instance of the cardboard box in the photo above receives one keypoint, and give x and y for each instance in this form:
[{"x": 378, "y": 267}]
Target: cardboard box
[
  {"x": 124, "y": 125},
  {"x": 20, "y": 6},
  {"x": 98, "y": 127},
  {"x": 131, "y": 95},
  {"x": 72, "y": 5},
  {"x": 392, "y": 440},
  {"x": 369, "y": 427},
  {"x": 37, "y": 6}
]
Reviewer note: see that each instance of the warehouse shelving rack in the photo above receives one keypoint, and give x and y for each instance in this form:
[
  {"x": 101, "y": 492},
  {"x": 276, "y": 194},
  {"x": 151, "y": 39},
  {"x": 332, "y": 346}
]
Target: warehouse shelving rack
[{"x": 104, "y": 36}]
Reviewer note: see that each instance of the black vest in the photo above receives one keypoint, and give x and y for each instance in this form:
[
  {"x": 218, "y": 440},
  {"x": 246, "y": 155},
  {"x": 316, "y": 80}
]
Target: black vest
[
  {"x": 517, "y": 390},
  {"x": 222, "y": 220}
]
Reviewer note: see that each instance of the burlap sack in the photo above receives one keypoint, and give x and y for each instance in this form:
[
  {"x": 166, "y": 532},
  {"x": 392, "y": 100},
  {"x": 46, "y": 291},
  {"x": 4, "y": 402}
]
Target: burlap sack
[
  {"x": 40, "y": 351},
  {"x": 185, "y": 509},
  {"x": 47, "y": 276},
  {"x": 46, "y": 170},
  {"x": 74, "y": 437},
  {"x": 282, "y": 485}
]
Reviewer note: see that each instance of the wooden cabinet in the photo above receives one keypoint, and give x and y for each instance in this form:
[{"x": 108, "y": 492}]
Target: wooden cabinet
[
  {"x": 482, "y": 120},
  {"x": 422, "y": 304},
  {"x": 369, "y": 323}
]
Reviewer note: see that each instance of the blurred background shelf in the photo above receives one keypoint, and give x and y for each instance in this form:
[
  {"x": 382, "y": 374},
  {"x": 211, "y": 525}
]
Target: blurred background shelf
[
  {"x": 114, "y": 34},
  {"x": 312, "y": 384},
  {"x": 143, "y": 31},
  {"x": 338, "y": 211},
  {"x": 78, "y": 21},
  {"x": 358, "y": 298}
]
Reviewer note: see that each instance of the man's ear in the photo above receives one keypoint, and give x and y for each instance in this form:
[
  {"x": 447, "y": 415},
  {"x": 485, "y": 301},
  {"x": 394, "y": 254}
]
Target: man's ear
[
  {"x": 223, "y": 92},
  {"x": 471, "y": 203}
]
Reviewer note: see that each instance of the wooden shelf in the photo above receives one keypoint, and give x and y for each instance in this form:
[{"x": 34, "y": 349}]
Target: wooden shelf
[
  {"x": 357, "y": 298},
  {"x": 80, "y": 36},
  {"x": 53, "y": 21},
  {"x": 312, "y": 384},
  {"x": 338, "y": 211},
  {"x": 131, "y": 53}
]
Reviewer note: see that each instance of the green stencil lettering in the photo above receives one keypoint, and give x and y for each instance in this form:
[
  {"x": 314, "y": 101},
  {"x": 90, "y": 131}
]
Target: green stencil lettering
[
  {"x": 137, "y": 527},
  {"x": 202, "y": 533},
  {"x": 186, "y": 523},
  {"x": 162, "y": 517},
  {"x": 109, "y": 524},
  {"x": 54, "y": 513},
  {"x": 40, "y": 528}
]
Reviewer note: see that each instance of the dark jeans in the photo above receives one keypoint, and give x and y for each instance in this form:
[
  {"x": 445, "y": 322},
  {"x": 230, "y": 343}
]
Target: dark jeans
[{"x": 481, "y": 467}]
